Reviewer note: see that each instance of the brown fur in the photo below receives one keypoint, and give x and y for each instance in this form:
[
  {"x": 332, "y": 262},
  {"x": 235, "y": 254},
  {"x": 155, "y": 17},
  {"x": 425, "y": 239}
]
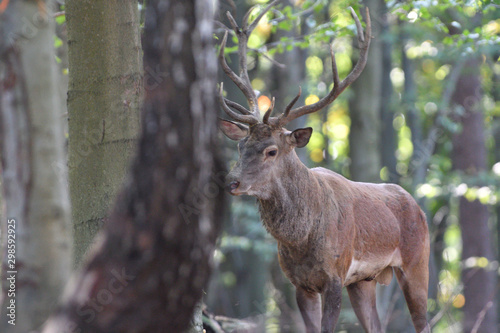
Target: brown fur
[{"x": 333, "y": 232}]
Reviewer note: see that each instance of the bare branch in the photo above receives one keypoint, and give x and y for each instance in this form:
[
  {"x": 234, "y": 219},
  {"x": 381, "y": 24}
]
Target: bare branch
[{"x": 276, "y": 63}]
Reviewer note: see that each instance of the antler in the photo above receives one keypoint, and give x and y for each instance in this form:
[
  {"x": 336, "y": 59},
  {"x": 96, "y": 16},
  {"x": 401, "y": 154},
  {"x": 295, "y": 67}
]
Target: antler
[
  {"x": 338, "y": 88},
  {"x": 251, "y": 116}
]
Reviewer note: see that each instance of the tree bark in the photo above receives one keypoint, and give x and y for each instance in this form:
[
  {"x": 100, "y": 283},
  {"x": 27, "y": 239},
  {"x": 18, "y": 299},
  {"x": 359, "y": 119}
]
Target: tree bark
[
  {"x": 36, "y": 228},
  {"x": 388, "y": 138},
  {"x": 364, "y": 109},
  {"x": 105, "y": 83},
  {"x": 495, "y": 93},
  {"x": 418, "y": 165},
  {"x": 469, "y": 156},
  {"x": 153, "y": 256}
]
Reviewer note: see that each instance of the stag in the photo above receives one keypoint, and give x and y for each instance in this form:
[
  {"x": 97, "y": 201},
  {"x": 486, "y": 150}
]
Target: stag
[{"x": 331, "y": 232}]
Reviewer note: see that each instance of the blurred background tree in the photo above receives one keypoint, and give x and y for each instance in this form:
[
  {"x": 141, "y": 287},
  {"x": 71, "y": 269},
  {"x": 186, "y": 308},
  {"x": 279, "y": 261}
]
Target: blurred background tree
[{"x": 424, "y": 114}]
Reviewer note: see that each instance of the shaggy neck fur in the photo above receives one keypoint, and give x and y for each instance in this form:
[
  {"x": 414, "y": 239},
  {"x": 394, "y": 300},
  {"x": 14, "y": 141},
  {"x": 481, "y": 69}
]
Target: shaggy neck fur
[{"x": 291, "y": 210}]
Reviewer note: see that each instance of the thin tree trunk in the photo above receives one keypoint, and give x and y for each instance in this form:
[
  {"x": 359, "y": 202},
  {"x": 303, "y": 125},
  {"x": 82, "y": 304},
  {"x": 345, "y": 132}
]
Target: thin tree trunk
[
  {"x": 36, "y": 229},
  {"x": 418, "y": 168},
  {"x": 388, "y": 138},
  {"x": 469, "y": 156},
  {"x": 496, "y": 134},
  {"x": 103, "y": 103},
  {"x": 364, "y": 109},
  {"x": 153, "y": 256}
]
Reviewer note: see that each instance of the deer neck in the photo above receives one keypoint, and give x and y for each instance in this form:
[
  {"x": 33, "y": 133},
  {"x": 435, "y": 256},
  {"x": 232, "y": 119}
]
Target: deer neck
[{"x": 289, "y": 212}]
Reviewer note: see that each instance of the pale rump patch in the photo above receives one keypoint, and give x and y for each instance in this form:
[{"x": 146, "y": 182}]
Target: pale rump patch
[{"x": 375, "y": 268}]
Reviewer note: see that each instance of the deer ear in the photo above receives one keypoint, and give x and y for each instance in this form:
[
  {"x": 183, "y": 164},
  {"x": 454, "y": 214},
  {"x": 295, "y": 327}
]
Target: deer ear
[
  {"x": 300, "y": 137},
  {"x": 233, "y": 130}
]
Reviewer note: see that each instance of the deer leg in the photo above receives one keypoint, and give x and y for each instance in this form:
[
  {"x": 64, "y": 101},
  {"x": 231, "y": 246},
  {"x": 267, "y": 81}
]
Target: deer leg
[
  {"x": 362, "y": 296},
  {"x": 414, "y": 283},
  {"x": 310, "y": 309},
  {"x": 332, "y": 297}
]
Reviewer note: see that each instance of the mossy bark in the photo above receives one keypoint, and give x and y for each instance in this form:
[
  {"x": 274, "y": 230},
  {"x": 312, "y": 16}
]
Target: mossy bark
[{"x": 104, "y": 95}]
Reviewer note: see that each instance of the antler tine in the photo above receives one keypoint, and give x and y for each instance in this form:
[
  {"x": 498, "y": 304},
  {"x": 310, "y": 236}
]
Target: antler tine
[
  {"x": 232, "y": 21},
  {"x": 268, "y": 112},
  {"x": 363, "y": 47},
  {"x": 338, "y": 87},
  {"x": 290, "y": 105},
  {"x": 242, "y": 83},
  {"x": 335, "y": 71},
  {"x": 246, "y": 119},
  {"x": 359, "y": 28},
  {"x": 245, "y": 18},
  {"x": 237, "y": 106}
]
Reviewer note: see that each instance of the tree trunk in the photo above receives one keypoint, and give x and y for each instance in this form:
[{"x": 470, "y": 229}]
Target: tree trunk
[
  {"x": 496, "y": 134},
  {"x": 388, "y": 138},
  {"x": 418, "y": 164},
  {"x": 364, "y": 109},
  {"x": 469, "y": 156},
  {"x": 36, "y": 230},
  {"x": 153, "y": 256},
  {"x": 103, "y": 103}
]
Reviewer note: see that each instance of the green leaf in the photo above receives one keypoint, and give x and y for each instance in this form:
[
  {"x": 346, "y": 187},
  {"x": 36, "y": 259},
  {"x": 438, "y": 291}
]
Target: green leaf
[
  {"x": 285, "y": 25},
  {"x": 57, "y": 42},
  {"x": 61, "y": 19},
  {"x": 448, "y": 40}
]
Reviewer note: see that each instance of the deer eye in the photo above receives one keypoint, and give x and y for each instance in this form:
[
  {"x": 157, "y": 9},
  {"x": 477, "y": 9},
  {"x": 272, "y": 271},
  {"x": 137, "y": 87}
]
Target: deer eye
[{"x": 272, "y": 152}]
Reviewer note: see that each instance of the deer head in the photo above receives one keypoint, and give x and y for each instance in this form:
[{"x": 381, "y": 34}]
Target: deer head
[{"x": 265, "y": 146}]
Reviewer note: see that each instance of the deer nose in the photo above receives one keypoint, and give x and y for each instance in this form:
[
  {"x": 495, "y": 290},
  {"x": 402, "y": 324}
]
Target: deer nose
[{"x": 232, "y": 186}]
